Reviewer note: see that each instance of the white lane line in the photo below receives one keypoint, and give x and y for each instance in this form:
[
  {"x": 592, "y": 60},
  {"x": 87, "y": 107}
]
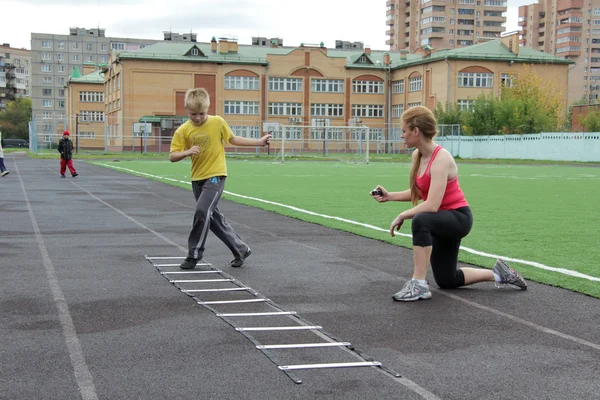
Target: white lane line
[
  {"x": 376, "y": 228},
  {"x": 82, "y": 373}
]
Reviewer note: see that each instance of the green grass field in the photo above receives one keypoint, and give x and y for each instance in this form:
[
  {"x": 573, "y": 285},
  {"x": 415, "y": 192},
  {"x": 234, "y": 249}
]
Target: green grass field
[{"x": 544, "y": 214}]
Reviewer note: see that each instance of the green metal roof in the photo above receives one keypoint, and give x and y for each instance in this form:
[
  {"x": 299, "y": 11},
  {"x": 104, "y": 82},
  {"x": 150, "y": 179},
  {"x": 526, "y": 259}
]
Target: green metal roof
[
  {"x": 158, "y": 118},
  {"x": 493, "y": 50},
  {"x": 92, "y": 77}
]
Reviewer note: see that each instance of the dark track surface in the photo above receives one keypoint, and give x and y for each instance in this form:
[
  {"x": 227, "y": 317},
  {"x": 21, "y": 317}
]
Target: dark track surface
[{"x": 85, "y": 315}]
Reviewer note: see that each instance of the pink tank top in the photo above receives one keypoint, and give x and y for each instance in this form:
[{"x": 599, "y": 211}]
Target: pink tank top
[{"x": 453, "y": 196}]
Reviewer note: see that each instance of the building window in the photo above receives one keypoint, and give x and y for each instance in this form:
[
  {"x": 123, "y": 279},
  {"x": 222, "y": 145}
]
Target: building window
[
  {"x": 241, "y": 107},
  {"x": 476, "y": 79},
  {"x": 117, "y": 46},
  {"x": 46, "y": 44},
  {"x": 47, "y": 103},
  {"x": 61, "y": 80},
  {"x": 61, "y": 104},
  {"x": 89, "y": 59},
  {"x": 398, "y": 87},
  {"x": 103, "y": 47},
  {"x": 47, "y": 115},
  {"x": 87, "y": 135},
  {"x": 60, "y": 57},
  {"x": 46, "y": 57},
  {"x": 89, "y": 47},
  {"x": 415, "y": 84},
  {"x": 252, "y": 131},
  {"x": 46, "y": 92},
  {"x": 285, "y": 84},
  {"x": 74, "y": 45},
  {"x": 327, "y": 110},
  {"x": 285, "y": 108},
  {"x": 91, "y": 97},
  {"x": 507, "y": 80},
  {"x": 61, "y": 68},
  {"x": 241, "y": 83},
  {"x": 465, "y": 105},
  {"x": 367, "y": 110},
  {"x": 61, "y": 45},
  {"x": 370, "y": 87},
  {"x": 397, "y": 110},
  {"x": 75, "y": 57},
  {"x": 47, "y": 79},
  {"x": 328, "y": 85},
  {"x": 411, "y": 105},
  {"x": 103, "y": 59},
  {"x": 91, "y": 116},
  {"x": 46, "y": 68}
]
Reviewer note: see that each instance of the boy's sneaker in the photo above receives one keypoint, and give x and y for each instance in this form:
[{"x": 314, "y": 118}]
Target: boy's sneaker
[
  {"x": 75, "y": 174},
  {"x": 238, "y": 262},
  {"x": 189, "y": 263},
  {"x": 62, "y": 176},
  {"x": 508, "y": 275},
  {"x": 412, "y": 291},
  {"x": 5, "y": 173}
]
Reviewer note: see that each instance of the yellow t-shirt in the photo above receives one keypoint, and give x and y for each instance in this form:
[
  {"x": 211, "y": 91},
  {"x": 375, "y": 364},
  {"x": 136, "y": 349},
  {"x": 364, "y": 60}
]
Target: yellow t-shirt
[{"x": 209, "y": 137}]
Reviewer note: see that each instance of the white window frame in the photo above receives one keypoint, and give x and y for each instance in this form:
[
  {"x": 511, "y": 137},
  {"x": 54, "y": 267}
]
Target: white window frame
[
  {"x": 233, "y": 82},
  {"x": 241, "y": 107},
  {"x": 326, "y": 110},
  {"x": 285, "y": 109},
  {"x": 397, "y": 110},
  {"x": 327, "y": 85},
  {"x": 367, "y": 110},
  {"x": 367, "y": 87},
  {"x": 476, "y": 79},
  {"x": 398, "y": 87},
  {"x": 285, "y": 84},
  {"x": 415, "y": 84}
]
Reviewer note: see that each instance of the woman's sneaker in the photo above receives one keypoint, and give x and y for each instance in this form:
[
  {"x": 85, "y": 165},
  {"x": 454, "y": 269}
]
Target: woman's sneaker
[
  {"x": 412, "y": 291},
  {"x": 5, "y": 173},
  {"x": 508, "y": 275}
]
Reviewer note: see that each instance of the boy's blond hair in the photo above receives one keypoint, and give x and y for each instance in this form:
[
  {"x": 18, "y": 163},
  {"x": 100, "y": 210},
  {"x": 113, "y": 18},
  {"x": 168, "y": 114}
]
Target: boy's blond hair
[{"x": 197, "y": 100}]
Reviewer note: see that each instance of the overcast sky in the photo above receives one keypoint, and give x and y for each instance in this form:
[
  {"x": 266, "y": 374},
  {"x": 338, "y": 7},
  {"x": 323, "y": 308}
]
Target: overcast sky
[{"x": 305, "y": 21}]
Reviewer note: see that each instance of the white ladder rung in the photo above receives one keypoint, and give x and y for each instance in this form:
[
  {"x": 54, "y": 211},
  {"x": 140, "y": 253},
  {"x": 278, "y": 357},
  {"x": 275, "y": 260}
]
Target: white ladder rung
[
  {"x": 257, "y": 314},
  {"x": 215, "y": 290},
  {"x": 233, "y": 301},
  {"x": 199, "y": 280},
  {"x": 177, "y": 265},
  {"x": 331, "y": 365},
  {"x": 302, "y": 345},
  {"x": 280, "y": 328},
  {"x": 189, "y": 272}
]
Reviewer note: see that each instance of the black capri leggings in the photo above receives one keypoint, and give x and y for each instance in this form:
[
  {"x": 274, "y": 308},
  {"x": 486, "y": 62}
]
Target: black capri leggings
[{"x": 443, "y": 230}]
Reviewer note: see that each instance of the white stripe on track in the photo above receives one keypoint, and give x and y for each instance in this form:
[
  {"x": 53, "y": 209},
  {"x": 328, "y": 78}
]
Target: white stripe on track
[
  {"x": 535, "y": 264},
  {"x": 83, "y": 376}
]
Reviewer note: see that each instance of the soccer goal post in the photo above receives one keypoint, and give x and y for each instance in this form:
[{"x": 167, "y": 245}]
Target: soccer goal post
[{"x": 339, "y": 143}]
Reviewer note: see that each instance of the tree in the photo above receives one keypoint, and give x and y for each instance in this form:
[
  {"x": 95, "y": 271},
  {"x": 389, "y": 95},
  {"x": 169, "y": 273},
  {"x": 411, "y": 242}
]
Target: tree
[
  {"x": 14, "y": 120},
  {"x": 544, "y": 101},
  {"x": 591, "y": 122}
]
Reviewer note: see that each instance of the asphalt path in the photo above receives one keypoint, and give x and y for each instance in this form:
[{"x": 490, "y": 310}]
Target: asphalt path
[{"x": 88, "y": 311}]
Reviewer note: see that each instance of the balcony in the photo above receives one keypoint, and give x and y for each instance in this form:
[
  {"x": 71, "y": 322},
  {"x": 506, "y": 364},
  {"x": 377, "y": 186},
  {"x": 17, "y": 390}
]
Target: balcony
[
  {"x": 389, "y": 32},
  {"x": 564, "y": 5}
]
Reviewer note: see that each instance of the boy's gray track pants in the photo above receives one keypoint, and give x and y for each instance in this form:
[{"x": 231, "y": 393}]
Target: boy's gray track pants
[{"x": 207, "y": 216}]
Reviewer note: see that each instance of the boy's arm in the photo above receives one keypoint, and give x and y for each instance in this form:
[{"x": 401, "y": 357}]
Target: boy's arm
[
  {"x": 242, "y": 141},
  {"x": 175, "y": 156}
]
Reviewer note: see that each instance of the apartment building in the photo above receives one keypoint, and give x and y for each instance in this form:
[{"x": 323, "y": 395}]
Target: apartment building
[
  {"x": 54, "y": 57},
  {"x": 15, "y": 67},
  {"x": 569, "y": 29},
  {"x": 443, "y": 24},
  {"x": 306, "y": 85}
]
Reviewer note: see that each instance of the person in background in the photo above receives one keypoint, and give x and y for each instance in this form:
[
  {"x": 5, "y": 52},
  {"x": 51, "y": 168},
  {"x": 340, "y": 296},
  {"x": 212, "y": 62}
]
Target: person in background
[
  {"x": 443, "y": 217},
  {"x": 202, "y": 138},
  {"x": 3, "y": 170},
  {"x": 65, "y": 148}
]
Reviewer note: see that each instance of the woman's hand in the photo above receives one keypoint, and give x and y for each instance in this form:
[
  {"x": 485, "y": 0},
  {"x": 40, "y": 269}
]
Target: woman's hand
[
  {"x": 396, "y": 224},
  {"x": 380, "y": 194}
]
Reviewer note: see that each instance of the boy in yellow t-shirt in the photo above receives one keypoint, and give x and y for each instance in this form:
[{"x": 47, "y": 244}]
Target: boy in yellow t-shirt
[{"x": 201, "y": 138}]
